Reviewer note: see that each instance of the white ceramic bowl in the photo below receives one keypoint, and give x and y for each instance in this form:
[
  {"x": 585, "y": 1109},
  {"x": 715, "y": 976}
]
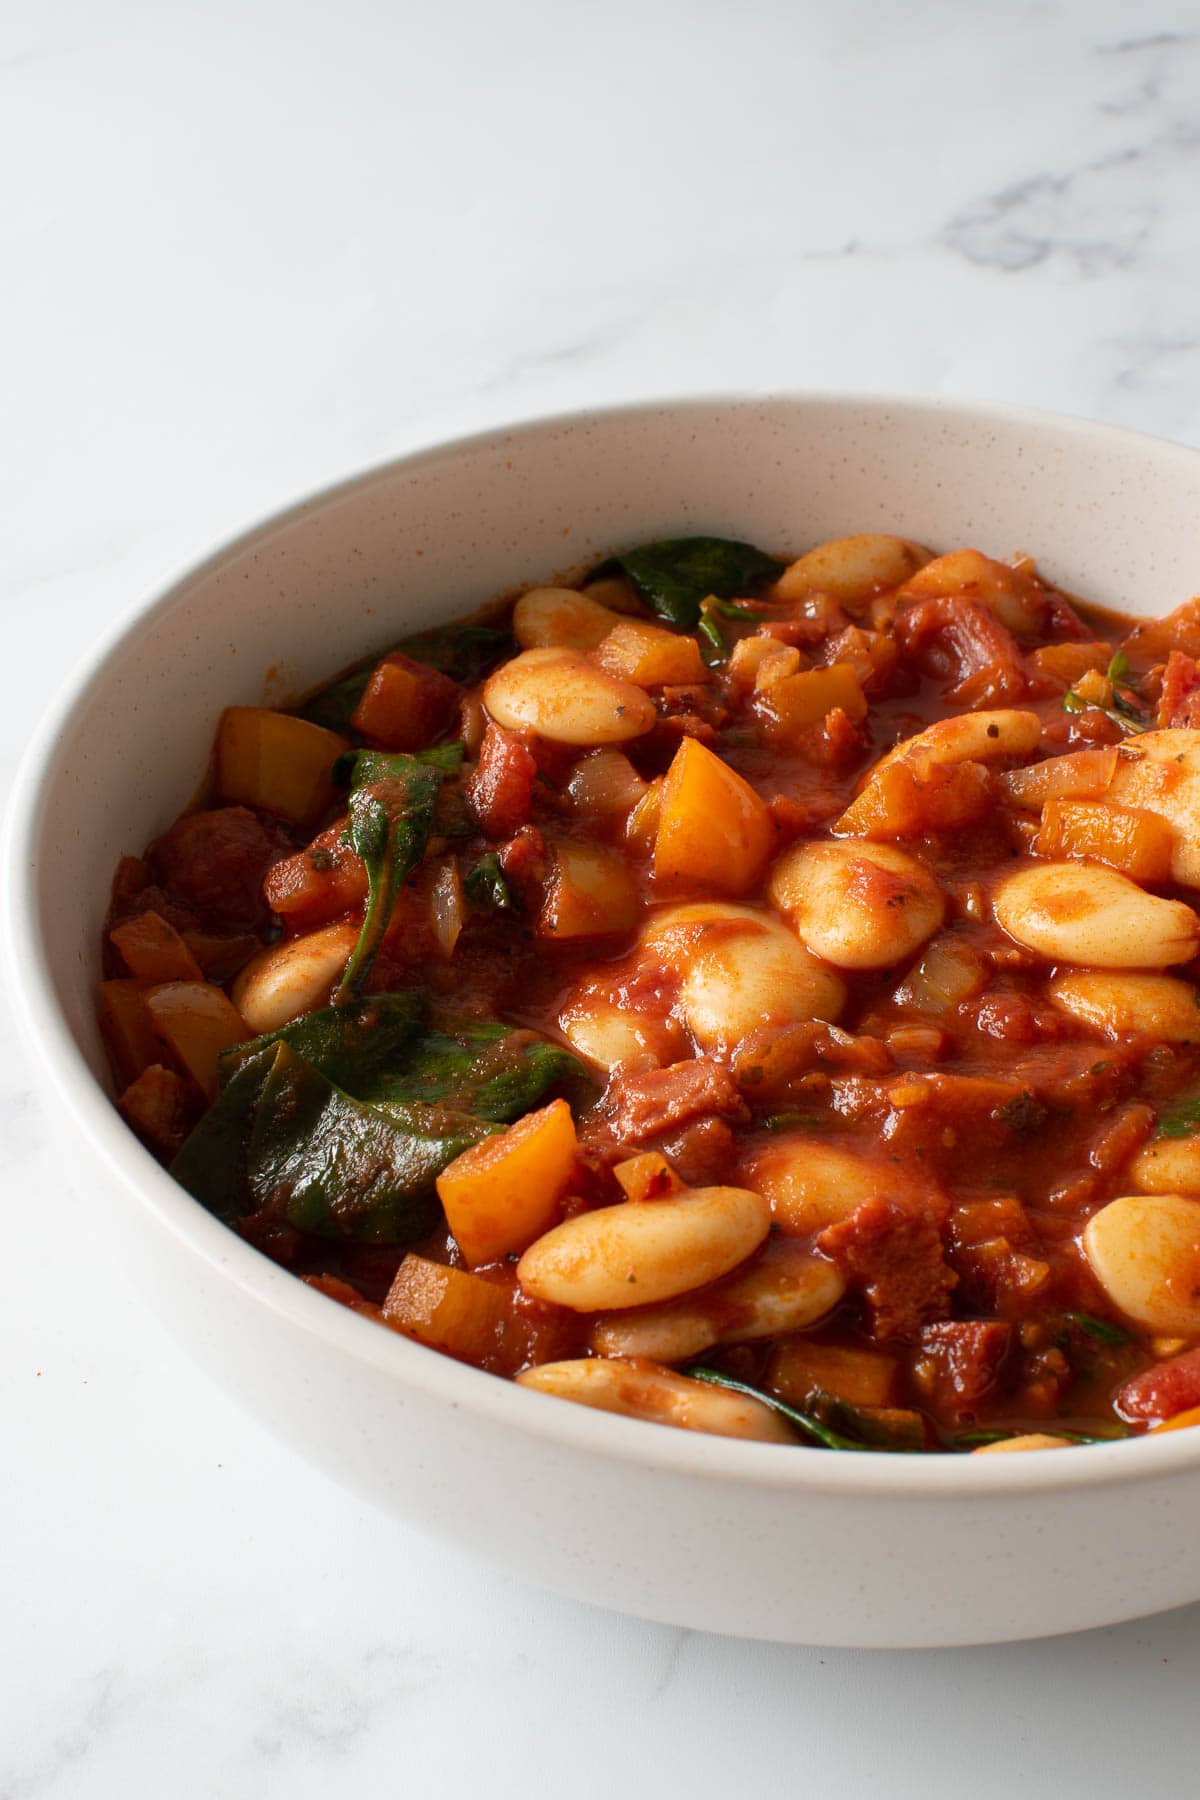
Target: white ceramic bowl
[{"x": 801, "y": 1545}]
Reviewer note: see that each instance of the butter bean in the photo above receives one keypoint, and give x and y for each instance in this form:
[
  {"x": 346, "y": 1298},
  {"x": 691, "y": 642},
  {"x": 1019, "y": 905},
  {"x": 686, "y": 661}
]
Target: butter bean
[
  {"x": 1165, "y": 1006},
  {"x": 562, "y": 617},
  {"x": 1084, "y": 913},
  {"x": 640, "y": 1253},
  {"x": 608, "y": 1034},
  {"x": 564, "y": 698},
  {"x": 1031, "y": 1440},
  {"x": 852, "y": 567},
  {"x": 1144, "y": 1250},
  {"x": 984, "y": 737},
  {"x": 642, "y": 1390},
  {"x": 1167, "y": 1166},
  {"x": 811, "y": 1184},
  {"x": 292, "y": 977},
  {"x": 1159, "y": 772},
  {"x": 859, "y": 906},
  {"x": 788, "y": 1288}
]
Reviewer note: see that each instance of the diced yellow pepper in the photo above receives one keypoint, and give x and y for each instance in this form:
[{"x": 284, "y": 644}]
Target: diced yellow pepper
[
  {"x": 277, "y": 763},
  {"x": 712, "y": 829},
  {"x": 503, "y": 1193}
]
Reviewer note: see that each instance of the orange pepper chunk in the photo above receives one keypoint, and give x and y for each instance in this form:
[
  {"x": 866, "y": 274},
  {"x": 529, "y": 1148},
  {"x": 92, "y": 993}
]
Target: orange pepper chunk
[
  {"x": 276, "y": 762},
  {"x": 712, "y": 827},
  {"x": 405, "y": 704},
  {"x": 794, "y": 702},
  {"x": 1178, "y": 1423},
  {"x": 864, "y": 1377},
  {"x": 152, "y": 950},
  {"x": 127, "y": 1028},
  {"x": 650, "y": 656},
  {"x": 1139, "y": 844},
  {"x": 647, "y": 1177},
  {"x": 449, "y": 1310},
  {"x": 503, "y": 1193},
  {"x": 196, "y": 1021}
]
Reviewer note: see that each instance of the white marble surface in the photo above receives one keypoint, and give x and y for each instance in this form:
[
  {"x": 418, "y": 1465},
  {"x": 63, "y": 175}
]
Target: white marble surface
[{"x": 249, "y": 247}]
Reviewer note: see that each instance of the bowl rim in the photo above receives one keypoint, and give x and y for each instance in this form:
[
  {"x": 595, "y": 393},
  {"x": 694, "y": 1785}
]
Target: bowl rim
[{"x": 259, "y": 1281}]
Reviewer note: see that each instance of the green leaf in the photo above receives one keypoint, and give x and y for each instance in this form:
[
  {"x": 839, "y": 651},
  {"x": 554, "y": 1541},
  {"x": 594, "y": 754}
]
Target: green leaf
[
  {"x": 210, "y": 1164},
  {"x": 486, "y": 886},
  {"x": 1183, "y": 1120},
  {"x": 1117, "y": 672},
  {"x": 384, "y": 1050},
  {"x": 674, "y": 576},
  {"x": 827, "y": 1420},
  {"x": 1121, "y": 713},
  {"x": 793, "y": 1121},
  {"x": 1100, "y": 1329},
  {"x": 713, "y": 647},
  {"x": 886, "y": 1428},
  {"x": 370, "y": 766},
  {"x": 339, "y": 1123},
  {"x": 476, "y": 1066},
  {"x": 392, "y": 806},
  {"x": 349, "y": 1044},
  {"x": 327, "y": 1164},
  {"x": 1100, "y": 1434},
  {"x": 464, "y": 652}
]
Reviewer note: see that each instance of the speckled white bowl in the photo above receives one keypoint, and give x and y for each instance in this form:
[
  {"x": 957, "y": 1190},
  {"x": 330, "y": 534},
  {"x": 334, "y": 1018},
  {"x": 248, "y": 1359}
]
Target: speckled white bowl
[{"x": 803, "y": 1546}]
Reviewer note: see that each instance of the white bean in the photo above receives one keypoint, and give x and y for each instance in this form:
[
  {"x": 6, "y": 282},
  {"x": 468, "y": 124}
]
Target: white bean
[
  {"x": 811, "y": 1184},
  {"x": 978, "y": 577},
  {"x": 852, "y": 567},
  {"x": 860, "y": 906},
  {"x": 671, "y": 933},
  {"x": 564, "y": 698},
  {"x": 1159, "y": 772},
  {"x": 1167, "y": 1166},
  {"x": 642, "y": 1390},
  {"x": 292, "y": 977},
  {"x": 788, "y": 1288},
  {"x": 741, "y": 981},
  {"x": 993, "y": 736},
  {"x": 1123, "y": 1005},
  {"x": 608, "y": 1034},
  {"x": 1031, "y": 1440},
  {"x": 1083, "y": 913},
  {"x": 643, "y": 1251},
  {"x": 562, "y": 617},
  {"x": 1144, "y": 1250}
]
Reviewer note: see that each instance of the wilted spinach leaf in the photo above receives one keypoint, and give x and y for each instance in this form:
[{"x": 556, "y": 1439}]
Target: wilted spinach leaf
[
  {"x": 464, "y": 652},
  {"x": 284, "y": 1142},
  {"x": 330, "y": 1165},
  {"x": 1182, "y": 1121},
  {"x": 392, "y": 805},
  {"x": 674, "y": 576},
  {"x": 348, "y": 1044},
  {"x": 833, "y": 1423},
  {"x": 476, "y": 1066},
  {"x": 486, "y": 887},
  {"x": 211, "y": 1163}
]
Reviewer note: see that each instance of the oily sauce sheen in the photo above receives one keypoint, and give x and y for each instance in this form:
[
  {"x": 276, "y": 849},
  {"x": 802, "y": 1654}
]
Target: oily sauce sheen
[{"x": 776, "y": 1018}]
